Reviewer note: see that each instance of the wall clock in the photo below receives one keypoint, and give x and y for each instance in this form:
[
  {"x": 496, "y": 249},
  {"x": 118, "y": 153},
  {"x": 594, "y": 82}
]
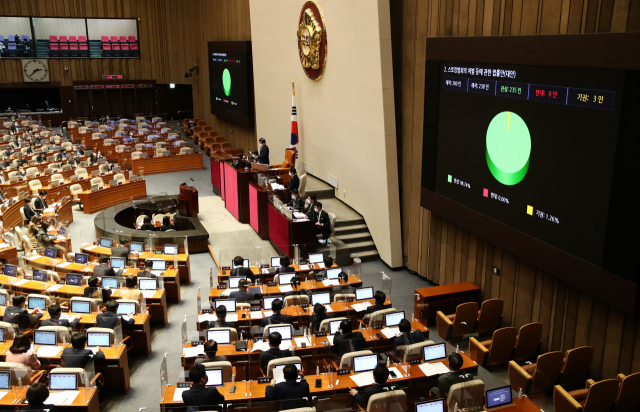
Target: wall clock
[{"x": 35, "y": 70}]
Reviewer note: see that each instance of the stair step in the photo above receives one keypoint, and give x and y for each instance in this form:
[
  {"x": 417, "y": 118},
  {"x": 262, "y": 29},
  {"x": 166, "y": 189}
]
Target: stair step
[
  {"x": 354, "y": 237},
  {"x": 350, "y": 222},
  {"x": 345, "y": 230},
  {"x": 368, "y": 256},
  {"x": 362, "y": 246}
]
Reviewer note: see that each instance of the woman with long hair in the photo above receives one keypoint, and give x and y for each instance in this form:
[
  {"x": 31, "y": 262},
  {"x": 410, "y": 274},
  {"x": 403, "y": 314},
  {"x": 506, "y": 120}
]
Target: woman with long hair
[{"x": 20, "y": 352}]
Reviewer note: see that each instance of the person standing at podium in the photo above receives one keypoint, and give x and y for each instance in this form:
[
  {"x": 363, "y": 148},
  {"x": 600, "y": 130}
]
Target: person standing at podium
[
  {"x": 263, "y": 156},
  {"x": 294, "y": 183}
]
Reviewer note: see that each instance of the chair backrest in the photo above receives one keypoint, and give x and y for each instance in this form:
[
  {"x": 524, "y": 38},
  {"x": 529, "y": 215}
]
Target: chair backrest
[
  {"x": 602, "y": 396},
  {"x": 281, "y": 361},
  {"x": 81, "y": 172},
  {"x": 347, "y": 359},
  {"x": 227, "y": 369},
  {"x": 332, "y": 219},
  {"x": 119, "y": 177},
  {"x": 577, "y": 364},
  {"x": 136, "y": 155},
  {"x": 19, "y": 372},
  {"x": 548, "y": 368},
  {"x": 97, "y": 181},
  {"x": 325, "y": 324},
  {"x": 26, "y": 244},
  {"x": 388, "y": 401},
  {"x": 629, "y": 393},
  {"x": 343, "y": 297},
  {"x": 289, "y": 158},
  {"x": 233, "y": 332},
  {"x": 378, "y": 317},
  {"x": 140, "y": 219},
  {"x": 295, "y": 300},
  {"x": 528, "y": 342},
  {"x": 490, "y": 316},
  {"x": 9, "y": 332},
  {"x": 13, "y": 174},
  {"x": 413, "y": 351},
  {"x": 465, "y": 321},
  {"x": 468, "y": 394},
  {"x": 103, "y": 168},
  {"x": 226, "y": 145},
  {"x": 57, "y": 176},
  {"x": 303, "y": 186},
  {"x": 502, "y": 344},
  {"x": 75, "y": 189}
]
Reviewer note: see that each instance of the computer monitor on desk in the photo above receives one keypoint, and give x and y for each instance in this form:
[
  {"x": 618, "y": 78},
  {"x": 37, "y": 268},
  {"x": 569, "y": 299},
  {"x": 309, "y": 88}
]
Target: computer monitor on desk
[
  {"x": 430, "y": 406},
  {"x": 230, "y": 304},
  {"x": 214, "y": 377},
  {"x": 221, "y": 337},
  {"x": 136, "y": 247},
  {"x": 106, "y": 242},
  {"x": 365, "y": 363},
  {"x": 266, "y": 302}
]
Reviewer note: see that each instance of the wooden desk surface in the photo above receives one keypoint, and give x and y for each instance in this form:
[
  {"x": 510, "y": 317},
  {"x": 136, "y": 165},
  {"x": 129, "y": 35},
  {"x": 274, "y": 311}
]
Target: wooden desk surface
[
  {"x": 309, "y": 285},
  {"x": 112, "y": 195},
  {"x": 85, "y": 399},
  {"x": 111, "y": 353},
  {"x": 439, "y": 291},
  {"x": 167, "y": 164},
  {"x": 298, "y": 269},
  {"x": 99, "y": 250}
]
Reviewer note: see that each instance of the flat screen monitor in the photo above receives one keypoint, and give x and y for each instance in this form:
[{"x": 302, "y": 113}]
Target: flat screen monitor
[
  {"x": 298, "y": 366},
  {"x": 63, "y": 381},
  {"x": 4, "y": 380},
  {"x": 1, "y": 334},
  {"x": 50, "y": 252},
  {"x": 334, "y": 325},
  {"x": 245, "y": 263},
  {"x": 498, "y": 397},
  {"x": 170, "y": 249},
  {"x": 136, "y": 247},
  {"x": 62, "y": 231},
  {"x": 109, "y": 282},
  {"x": 159, "y": 264},
  {"x": 117, "y": 262},
  {"x": 234, "y": 281},
  {"x": 275, "y": 262},
  {"x": 221, "y": 337},
  {"x": 44, "y": 337},
  {"x": 266, "y": 302},
  {"x": 101, "y": 339},
  {"x": 230, "y": 304},
  {"x": 80, "y": 306},
  {"x": 364, "y": 293},
  {"x": 74, "y": 280},
  {"x": 214, "y": 377},
  {"x": 433, "y": 352},
  {"x": 393, "y": 319},
  {"x": 365, "y": 363},
  {"x": 35, "y": 302},
  {"x": 40, "y": 275},
  {"x": 286, "y": 331},
  {"x": 106, "y": 242},
  {"x": 3, "y": 299},
  {"x": 316, "y": 258},
  {"x": 321, "y": 298},
  {"x": 81, "y": 258},
  {"x": 285, "y": 278},
  {"x": 430, "y": 406},
  {"x": 126, "y": 308},
  {"x": 148, "y": 284},
  {"x": 11, "y": 270},
  {"x": 333, "y": 273}
]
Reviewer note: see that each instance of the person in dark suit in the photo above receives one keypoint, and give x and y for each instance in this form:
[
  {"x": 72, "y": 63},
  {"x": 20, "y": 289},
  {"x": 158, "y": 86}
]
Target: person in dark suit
[
  {"x": 294, "y": 183},
  {"x": 103, "y": 269},
  {"x": 109, "y": 319},
  {"x": 80, "y": 151},
  {"x": 60, "y": 156},
  {"x": 328, "y": 262},
  {"x": 147, "y": 225},
  {"x": 240, "y": 270},
  {"x": 77, "y": 356},
  {"x": 241, "y": 295},
  {"x": 408, "y": 336},
  {"x": 94, "y": 285},
  {"x": 277, "y": 318},
  {"x": 54, "y": 311},
  {"x": 18, "y": 308},
  {"x": 447, "y": 380},
  {"x": 73, "y": 161},
  {"x": 28, "y": 209},
  {"x": 14, "y": 127},
  {"x": 310, "y": 209},
  {"x": 199, "y": 395},
  {"x": 380, "y": 375},
  {"x": 274, "y": 351},
  {"x": 290, "y": 389},
  {"x": 380, "y": 298},
  {"x": 221, "y": 314},
  {"x": 285, "y": 267},
  {"x": 41, "y": 201},
  {"x": 31, "y": 148},
  {"x": 146, "y": 273},
  {"x": 105, "y": 120},
  {"x": 37, "y": 394},
  {"x": 347, "y": 340},
  {"x": 319, "y": 314},
  {"x": 122, "y": 250},
  {"x": 210, "y": 350},
  {"x": 296, "y": 203},
  {"x": 323, "y": 223},
  {"x": 263, "y": 156},
  {"x": 166, "y": 224},
  {"x": 41, "y": 157}
]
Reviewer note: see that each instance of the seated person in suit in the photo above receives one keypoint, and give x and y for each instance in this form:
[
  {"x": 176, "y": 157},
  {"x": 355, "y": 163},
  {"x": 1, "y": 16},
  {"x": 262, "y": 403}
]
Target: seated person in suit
[
  {"x": 199, "y": 394},
  {"x": 54, "y": 311},
  {"x": 296, "y": 202},
  {"x": 289, "y": 389},
  {"x": 241, "y": 295},
  {"x": 166, "y": 224},
  {"x": 310, "y": 209},
  {"x": 347, "y": 340},
  {"x": 146, "y": 273},
  {"x": 328, "y": 262},
  {"x": 122, "y": 250},
  {"x": 295, "y": 285},
  {"x": 447, "y": 380},
  {"x": 60, "y": 156},
  {"x": 28, "y": 210},
  {"x": 18, "y": 308},
  {"x": 109, "y": 318},
  {"x": 132, "y": 291},
  {"x": 274, "y": 351},
  {"x": 277, "y": 318},
  {"x": 323, "y": 223},
  {"x": 380, "y": 298},
  {"x": 77, "y": 356},
  {"x": 240, "y": 270},
  {"x": 319, "y": 314},
  {"x": 103, "y": 269},
  {"x": 41, "y": 202},
  {"x": 294, "y": 183},
  {"x": 221, "y": 314},
  {"x": 94, "y": 285},
  {"x": 285, "y": 267},
  {"x": 147, "y": 225},
  {"x": 41, "y": 157},
  {"x": 408, "y": 336},
  {"x": 210, "y": 350},
  {"x": 380, "y": 375},
  {"x": 37, "y": 394}
]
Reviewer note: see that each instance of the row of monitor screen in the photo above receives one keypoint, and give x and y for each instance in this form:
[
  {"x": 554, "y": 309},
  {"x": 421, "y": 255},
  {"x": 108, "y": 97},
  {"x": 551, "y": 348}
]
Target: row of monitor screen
[
  {"x": 57, "y": 381},
  {"x": 77, "y": 306},
  {"x": 49, "y": 338},
  {"x": 495, "y": 398},
  {"x": 275, "y": 261},
  {"x": 169, "y": 249},
  {"x": 285, "y": 278},
  {"x": 83, "y": 259}
]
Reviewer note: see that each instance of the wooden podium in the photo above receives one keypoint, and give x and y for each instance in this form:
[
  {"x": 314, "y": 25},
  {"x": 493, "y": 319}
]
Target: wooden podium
[{"x": 188, "y": 201}]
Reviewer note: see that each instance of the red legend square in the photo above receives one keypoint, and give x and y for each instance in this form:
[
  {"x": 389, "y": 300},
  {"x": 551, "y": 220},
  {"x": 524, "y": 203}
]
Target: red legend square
[{"x": 485, "y": 192}]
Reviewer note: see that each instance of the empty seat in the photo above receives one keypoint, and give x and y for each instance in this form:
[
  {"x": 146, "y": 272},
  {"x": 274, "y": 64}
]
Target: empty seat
[
  {"x": 459, "y": 324},
  {"x": 97, "y": 181},
  {"x": 596, "y": 397},
  {"x": 628, "y": 393},
  {"x": 576, "y": 367},
  {"x": 528, "y": 342},
  {"x": 537, "y": 377},
  {"x": 81, "y": 172},
  {"x": 489, "y": 316},
  {"x": 496, "y": 351},
  {"x": 466, "y": 394}
]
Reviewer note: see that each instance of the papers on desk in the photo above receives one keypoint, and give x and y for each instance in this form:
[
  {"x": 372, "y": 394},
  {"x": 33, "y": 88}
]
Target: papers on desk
[
  {"x": 299, "y": 215},
  {"x": 49, "y": 210},
  {"x": 68, "y": 317},
  {"x": 260, "y": 346},
  {"x": 255, "y": 315},
  {"x": 397, "y": 372},
  {"x": 20, "y": 282},
  {"x": 285, "y": 289},
  {"x": 330, "y": 339},
  {"x": 48, "y": 351},
  {"x": 277, "y": 186},
  {"x": 231, "y": 317},
  {"x": 328, "y": 308},
  {"x": 302, "y": 339},
  {"x": 321, "y": 265},
  {"x": 363, "y": 379},
  {"x": 360, "y": 307},
  {"x": 126, "y": 317},
  {"x": 33, "y": 257},
  {"x": 156, "y": 272},
  {"x": 207, "y": 317},
  {"x": 194, "y": 351},
  {"x": 227, "y": 292},
  {"x": 63, "y": 264},
  {"x": 53, "y": 288},
  {"x": 62, "y": 398},
  {"x": 2, "y": 394},
  {"x": 390, "y": 332},
  {"x": 91, "y": 247},
  {"x": 2, "y": 246},
  {"x": 430, "y": 369},
  {"x": 177, "y": 395},
  {"x": 148, "y": 293},
  {"x": 284, "y": 345},
  {"x": 331, "y": 282},
  {"x": 304, "y": 267}
]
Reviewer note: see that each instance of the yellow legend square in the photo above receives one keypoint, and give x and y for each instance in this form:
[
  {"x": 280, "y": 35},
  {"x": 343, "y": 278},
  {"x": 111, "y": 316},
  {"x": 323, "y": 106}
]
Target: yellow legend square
[{"x": 530, "y": 210}]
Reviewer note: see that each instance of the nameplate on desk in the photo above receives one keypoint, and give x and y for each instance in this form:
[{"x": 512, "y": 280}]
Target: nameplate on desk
[
  {"x": 255, "y": 308},
  {"x": 349, "y": 299},
  {"x": 258, "y": 340},
  {"x": 196, "y": 343},
  {"x": 207, "y": 311},
  {"x": 377, "y": 327},
  {"x": 80, "y": 178},
  {"x": 271, "y": 284},
  {"x": 119, "y": 183},
  {"x": 319, "y": 278},
  {"x": 64, "y": 309},
  {"x": 60, "y": 282},
  {"x": 304, "y": 305},
  {"x": 344, "y": 372},
  {"x": 158, "y": 252},
  {"x": 320, "y": 334},
  {"x": 264, "y": 380},
  {"x": 226, "y": 268},
  {"x": 183, "y": 385},
  {"x": 222, "y": 286},
  {"x": 415, "y": 361},
  {"x": 264, "y": 266},
  {"x": 27, "y": 277}
]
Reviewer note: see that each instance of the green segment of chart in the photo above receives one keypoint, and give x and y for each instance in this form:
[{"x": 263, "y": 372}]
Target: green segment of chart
[
  {"x": 226, "y": 81},
  {"x": 508, "y": 148}
]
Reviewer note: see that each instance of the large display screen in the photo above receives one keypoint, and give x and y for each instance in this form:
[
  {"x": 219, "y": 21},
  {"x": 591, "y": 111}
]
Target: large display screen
[{"x": 231, "y": 81}]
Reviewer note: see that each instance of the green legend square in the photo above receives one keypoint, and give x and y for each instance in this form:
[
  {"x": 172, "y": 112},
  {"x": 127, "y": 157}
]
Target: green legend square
[{"x": 450, "y": 179}]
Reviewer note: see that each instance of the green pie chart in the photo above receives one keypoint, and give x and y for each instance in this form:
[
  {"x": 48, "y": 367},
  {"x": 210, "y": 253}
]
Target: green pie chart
[
  {"x": 226, "y": 81},
  {"x": 508, "y": 148}
]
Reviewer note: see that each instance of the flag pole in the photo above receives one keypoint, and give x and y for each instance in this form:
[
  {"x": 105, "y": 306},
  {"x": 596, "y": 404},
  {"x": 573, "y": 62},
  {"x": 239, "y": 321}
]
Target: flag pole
[{"x": 294, "y": 117}]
